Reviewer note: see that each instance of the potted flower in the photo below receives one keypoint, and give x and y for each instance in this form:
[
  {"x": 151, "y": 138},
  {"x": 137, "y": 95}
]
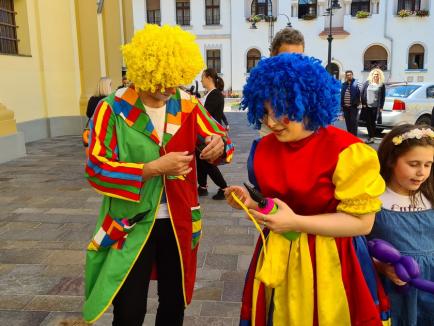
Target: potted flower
[
  {"x": 362, "y": 14},
  {"x": 254, "y": 19},
  {"x": 404, "y": 13},
  {"x": 422, "y": 13},
  {"x": 308, "y": 17}
]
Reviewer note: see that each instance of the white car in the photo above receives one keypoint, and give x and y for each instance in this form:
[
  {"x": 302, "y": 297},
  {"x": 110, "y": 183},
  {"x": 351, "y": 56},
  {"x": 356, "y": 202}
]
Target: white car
[{"x": 407, "y": 103}]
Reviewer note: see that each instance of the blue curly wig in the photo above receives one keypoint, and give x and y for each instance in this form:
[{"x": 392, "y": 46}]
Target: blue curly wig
[{"x": 297, "y": 86}]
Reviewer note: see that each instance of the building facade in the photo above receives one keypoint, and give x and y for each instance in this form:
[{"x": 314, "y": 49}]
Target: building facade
[
  {"x": 392, "y": 34},
  {"x": 52, "y": 54}
]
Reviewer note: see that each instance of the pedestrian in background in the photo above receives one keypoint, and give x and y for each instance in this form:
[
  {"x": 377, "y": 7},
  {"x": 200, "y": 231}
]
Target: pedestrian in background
[
  {"x": 214, "y": 102},
  {"x": 287, "y": 40},
  {"x": 350, "y": 100},
  {"x": 103, "y": 88},
  {"x": 372, "y": 95}
]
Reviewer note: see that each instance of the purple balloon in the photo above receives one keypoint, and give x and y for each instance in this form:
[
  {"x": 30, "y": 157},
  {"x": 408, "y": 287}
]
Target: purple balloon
[
  {"x": 385, "y": 252},
  {"x": 410, "y": 266},
  {"x": 423, "y": 285},
  {"x": 401, "y": 272}
]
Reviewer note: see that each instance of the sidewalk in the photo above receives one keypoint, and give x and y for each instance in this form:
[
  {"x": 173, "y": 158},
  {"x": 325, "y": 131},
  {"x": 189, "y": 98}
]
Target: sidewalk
[{"x": 48, "y": 214}]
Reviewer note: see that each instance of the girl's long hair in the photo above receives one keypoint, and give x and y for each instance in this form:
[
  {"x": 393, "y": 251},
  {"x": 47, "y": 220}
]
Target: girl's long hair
[
  {"x": 388, "y": 154},
  {"x": 380, "y": 73},
  {"x": 104, "y": 87},
  {"x": 218, "y": 81}
]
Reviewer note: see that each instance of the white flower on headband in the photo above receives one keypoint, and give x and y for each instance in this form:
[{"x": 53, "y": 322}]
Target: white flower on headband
[{"x": 415, "y": 133}]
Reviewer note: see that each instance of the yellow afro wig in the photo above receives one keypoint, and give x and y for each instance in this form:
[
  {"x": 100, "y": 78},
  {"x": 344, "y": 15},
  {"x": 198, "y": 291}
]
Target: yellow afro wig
[{"x": 162, "y": 57}]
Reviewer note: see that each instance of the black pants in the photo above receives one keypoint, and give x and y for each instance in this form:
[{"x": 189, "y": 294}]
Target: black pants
[
  {"x": 350, "y": 115},
  {"x": 204, "y": 169},
  {"x": 371, "y": 121},
  {"x": 129, "y": 305}
]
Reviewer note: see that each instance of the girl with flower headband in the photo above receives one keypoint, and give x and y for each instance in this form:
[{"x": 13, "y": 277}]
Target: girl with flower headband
[
  {"x": 326, "y": 184},
  {"x": 141, "y": 159},
  {"x": 406, "y": 219}
]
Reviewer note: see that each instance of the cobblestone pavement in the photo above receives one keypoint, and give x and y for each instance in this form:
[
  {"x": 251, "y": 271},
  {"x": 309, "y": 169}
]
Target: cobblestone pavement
[{"x": 48, "y": 213}]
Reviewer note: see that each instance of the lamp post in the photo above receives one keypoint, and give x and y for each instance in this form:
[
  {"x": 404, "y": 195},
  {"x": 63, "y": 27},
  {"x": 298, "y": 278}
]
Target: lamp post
[
  {"x": 333, "y": 4},
  {"x": 256, "y": 18}
]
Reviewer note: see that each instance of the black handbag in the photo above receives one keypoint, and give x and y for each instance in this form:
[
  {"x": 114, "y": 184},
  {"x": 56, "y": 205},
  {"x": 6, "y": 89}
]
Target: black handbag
[{"x": 379, "y": 117}]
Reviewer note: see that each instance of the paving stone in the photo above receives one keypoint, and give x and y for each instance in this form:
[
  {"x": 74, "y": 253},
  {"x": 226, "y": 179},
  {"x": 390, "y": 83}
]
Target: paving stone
[
  {"x": 65, "y": 257},
  {"x": 209, "y": 321},
  {"x": 220, "y": 309},
  {"x": 22, "y": 318},
  {"x": 23, "y": 256},
  {"x": 244, "y": 262},
  {"x": 69, "y": 286},
  {"x": 233, "y": 249},
  {"x": 64, "y": 270},
  {"x": 63, "y": 319},
  {"x": 14, "y": 302},
  {"x": 228, "y": 262},
  {"x": 55, "y": 303},
  {"x": 232, "y": 291}
]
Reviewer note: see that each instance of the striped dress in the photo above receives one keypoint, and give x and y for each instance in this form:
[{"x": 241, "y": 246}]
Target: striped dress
[{"x": 315, "y": 280}]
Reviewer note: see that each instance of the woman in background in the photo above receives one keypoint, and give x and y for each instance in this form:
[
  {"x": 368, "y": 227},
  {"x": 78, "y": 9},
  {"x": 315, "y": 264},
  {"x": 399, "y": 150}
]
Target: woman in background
[
  {"x": 103, "y": 88},
  {"x": 214, "y": 103}
]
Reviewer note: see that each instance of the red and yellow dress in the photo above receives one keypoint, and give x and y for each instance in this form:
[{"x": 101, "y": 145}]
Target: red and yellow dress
[{"x": 315, "y": 280}]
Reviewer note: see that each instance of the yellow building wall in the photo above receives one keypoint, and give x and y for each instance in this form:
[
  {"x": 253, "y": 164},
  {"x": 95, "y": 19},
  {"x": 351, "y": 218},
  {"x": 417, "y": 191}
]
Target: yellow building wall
[{"x": 62, "y": 64}]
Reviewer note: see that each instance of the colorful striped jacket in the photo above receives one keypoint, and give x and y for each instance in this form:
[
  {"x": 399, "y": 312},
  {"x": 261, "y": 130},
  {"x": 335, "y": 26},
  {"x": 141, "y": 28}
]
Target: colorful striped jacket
[{"x": 122, "y": 140}]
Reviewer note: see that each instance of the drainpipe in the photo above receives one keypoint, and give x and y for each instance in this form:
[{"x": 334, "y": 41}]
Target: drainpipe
[
  {"x": 230, "y": 44},
  {"x": 387, "y": 36}
]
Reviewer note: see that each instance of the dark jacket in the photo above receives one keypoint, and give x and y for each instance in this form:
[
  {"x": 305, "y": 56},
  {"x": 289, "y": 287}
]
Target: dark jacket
[
  {"x": 91, "y": 105},
  {"x": 354, "y": 93},
  {"x": 381, "y": 95},
  {"x": 214, "y": 104}
]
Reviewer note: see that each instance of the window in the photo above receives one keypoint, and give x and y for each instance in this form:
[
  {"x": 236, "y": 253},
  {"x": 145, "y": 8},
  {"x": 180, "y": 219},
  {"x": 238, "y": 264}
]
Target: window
[
  {"x": 360, "y": 5},
  {"x": 307, "y": 8},
  {"x": 253, "y": 57},
  {"x": 411, "y": 5},
  {"x": 212, "y": 12},
  {"x": 262, "y": 7},
  {"x": 415, "y": 56},
  {"x": 213, "y": 60},
  {"x": 430, "y": 92},
  {"x": 153, "y": 12},
  {"x": 375, "y": 57},
  {"x": 8, "y": 28},
  {"x": 154, "y": 17},
  {"x": 183, "y": 12}
]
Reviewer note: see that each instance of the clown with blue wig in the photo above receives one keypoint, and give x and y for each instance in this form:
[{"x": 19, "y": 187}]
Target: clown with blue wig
[{"x": 325, "y": 184}]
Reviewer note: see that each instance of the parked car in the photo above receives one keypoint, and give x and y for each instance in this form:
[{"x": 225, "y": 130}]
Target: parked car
[{"x": 406, "y": 103}]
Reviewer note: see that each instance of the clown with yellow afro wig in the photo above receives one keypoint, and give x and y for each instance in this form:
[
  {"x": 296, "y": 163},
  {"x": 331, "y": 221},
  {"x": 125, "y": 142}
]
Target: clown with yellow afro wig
[
  {"x": 162, "y": 57},
  {"x": 141, "y": 158}
]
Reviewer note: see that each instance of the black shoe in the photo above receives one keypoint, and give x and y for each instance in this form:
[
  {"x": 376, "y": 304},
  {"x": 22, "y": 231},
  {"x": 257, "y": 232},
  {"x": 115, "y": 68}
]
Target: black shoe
[
  {"x": 201, "y": 191},
  {"x": 220, "y": 195}
]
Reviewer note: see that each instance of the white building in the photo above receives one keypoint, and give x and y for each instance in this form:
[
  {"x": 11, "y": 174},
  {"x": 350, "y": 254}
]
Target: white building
[{"x": 402, "y": 46}]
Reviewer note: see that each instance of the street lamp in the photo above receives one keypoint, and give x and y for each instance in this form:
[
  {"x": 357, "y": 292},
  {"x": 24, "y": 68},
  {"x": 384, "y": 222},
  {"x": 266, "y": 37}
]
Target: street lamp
[
  {"x": 333, "y": 4},
  {"x": 257, "y": 17}
]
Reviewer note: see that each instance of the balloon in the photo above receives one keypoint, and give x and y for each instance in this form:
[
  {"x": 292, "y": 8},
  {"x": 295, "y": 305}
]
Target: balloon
[{"x": 406, "y": 268}]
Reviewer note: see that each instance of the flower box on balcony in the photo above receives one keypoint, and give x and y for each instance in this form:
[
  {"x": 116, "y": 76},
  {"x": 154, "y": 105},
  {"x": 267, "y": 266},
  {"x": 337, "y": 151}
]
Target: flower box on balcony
[
  {"x": 308, "y": 17},
  {"x": 405, "y": 13},
  {"x": 422, "y": 13},
  {"x": 362, "y": 14},
  {"x": 257, "y": 18}
]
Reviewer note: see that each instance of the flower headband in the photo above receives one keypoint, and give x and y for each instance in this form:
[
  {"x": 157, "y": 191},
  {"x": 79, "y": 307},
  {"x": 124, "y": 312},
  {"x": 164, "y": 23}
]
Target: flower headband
[{"x": 415, "y": 133}]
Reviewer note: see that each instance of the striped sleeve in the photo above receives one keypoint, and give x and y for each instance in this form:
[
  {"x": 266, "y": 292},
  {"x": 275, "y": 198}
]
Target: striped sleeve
[
  {"x": 208, "y": 126},
  {"x": 105, "y": 173}
]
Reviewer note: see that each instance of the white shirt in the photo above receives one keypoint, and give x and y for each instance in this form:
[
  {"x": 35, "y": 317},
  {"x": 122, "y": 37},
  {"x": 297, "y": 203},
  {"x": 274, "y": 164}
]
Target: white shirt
[
  {"x": 206, "y": 95},
  {"x": 401, "y": 203},
  {"x": 158, "y": 117}
]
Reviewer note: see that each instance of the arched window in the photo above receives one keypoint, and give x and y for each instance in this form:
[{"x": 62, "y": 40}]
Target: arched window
[
  {"x": 307, "y": 8},
  {"x": 253, "y": 57},
  {"x": 261, "y": 7},
  {"x": 416, "y": 55},
  {"x": 360, "y": 5},
  {"x": 375, "y": 57}
]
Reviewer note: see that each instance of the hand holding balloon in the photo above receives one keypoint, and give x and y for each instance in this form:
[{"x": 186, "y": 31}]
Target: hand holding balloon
[{"x": 406, "y": 268}]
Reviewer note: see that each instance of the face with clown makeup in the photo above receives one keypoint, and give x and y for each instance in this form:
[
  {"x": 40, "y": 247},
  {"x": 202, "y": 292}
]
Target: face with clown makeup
[{"x": 284, "y": 129}]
